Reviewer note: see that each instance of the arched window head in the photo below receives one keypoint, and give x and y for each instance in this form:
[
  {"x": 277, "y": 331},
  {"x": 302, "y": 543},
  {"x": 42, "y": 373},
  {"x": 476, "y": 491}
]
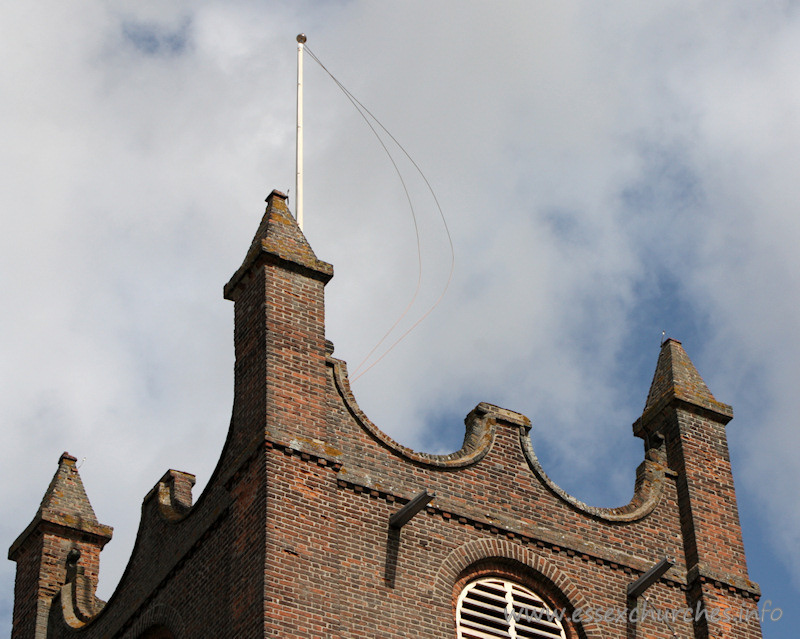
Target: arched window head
[
  {"x": 157, "y": 632},
  {"x": 495, "y": 607}
]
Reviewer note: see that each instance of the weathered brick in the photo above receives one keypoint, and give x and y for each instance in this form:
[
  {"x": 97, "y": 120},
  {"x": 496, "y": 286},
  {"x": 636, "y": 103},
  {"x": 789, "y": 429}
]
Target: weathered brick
[{"x": 291, "y": 537}]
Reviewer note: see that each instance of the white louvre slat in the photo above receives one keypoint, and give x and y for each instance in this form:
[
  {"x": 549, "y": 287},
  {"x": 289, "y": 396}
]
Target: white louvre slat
[
  {"x": 486, "y": 610},
  {"x": 485, "y": 631}
]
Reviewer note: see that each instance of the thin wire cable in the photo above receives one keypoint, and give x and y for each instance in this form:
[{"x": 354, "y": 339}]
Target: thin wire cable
[
  {"x": 362, "y": 110},
  {"x": 356, "y": 105}
]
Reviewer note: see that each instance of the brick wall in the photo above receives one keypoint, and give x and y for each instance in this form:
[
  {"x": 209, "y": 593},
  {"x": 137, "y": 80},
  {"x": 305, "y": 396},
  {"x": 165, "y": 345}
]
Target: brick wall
[{"x": 291, "y": 537}]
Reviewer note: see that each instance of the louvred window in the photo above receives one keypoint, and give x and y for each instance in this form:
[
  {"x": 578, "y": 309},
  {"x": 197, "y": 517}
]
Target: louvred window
[{"x": 494, "y": 607}]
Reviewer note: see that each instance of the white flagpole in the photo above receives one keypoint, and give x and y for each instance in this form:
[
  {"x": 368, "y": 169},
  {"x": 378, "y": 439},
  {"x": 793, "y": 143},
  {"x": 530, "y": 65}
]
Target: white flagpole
[{"x": 298, "y": 185}]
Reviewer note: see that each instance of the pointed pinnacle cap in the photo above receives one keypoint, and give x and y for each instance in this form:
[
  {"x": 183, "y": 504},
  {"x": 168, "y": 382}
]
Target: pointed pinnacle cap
[
  {"x": 278, "y": 237},
  {"x": 66, "y": 505},
  {"x": 676, "y": 378}
]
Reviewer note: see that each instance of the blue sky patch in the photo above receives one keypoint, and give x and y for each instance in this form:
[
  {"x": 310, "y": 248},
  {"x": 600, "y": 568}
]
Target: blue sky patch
[{"x": 157, "y": 40}]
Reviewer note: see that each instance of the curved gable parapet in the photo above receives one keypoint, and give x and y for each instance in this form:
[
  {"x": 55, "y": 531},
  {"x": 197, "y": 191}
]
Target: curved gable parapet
[
  {"x": 480, "y": 427},
  {"x": 76, "y": 604},
  {"x": 170, "y": 529},
  {"x": 173, "y": 494},
  {"x": 651, "y": 477},
  {"x": 481, "y": 424}
]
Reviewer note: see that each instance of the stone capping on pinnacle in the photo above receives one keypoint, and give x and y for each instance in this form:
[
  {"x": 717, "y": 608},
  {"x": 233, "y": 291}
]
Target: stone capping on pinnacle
[
  {"x": 676, "y": 378},
  {"x": 279, "y": 236},
  {"x": 65, "y": 504}
]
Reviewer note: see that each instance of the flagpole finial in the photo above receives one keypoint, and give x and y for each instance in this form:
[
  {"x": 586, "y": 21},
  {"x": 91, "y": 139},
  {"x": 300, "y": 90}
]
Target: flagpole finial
[{"x": 301, "y": 38}]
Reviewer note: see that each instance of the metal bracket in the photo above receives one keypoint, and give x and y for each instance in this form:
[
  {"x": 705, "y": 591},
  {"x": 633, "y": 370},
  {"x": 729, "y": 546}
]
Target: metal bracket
[
  {"x": 650, "y": 577},
  {"x": 403, "y": 516}
]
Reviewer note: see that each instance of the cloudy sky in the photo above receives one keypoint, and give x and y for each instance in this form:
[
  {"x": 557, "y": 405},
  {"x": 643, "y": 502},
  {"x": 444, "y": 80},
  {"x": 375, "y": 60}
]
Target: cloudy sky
[{"x": 608, "y": 171}]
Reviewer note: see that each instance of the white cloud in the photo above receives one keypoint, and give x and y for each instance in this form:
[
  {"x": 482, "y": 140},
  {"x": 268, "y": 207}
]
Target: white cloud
[{"x": 584, "y": 156}]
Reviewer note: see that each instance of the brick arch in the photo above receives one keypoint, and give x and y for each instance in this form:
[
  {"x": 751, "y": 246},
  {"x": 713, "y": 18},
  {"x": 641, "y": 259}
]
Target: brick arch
[
  {"x": 474, "y": 553},
  {"x": 159, "y": 622},
  {"x": 157, "y": 632}
]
